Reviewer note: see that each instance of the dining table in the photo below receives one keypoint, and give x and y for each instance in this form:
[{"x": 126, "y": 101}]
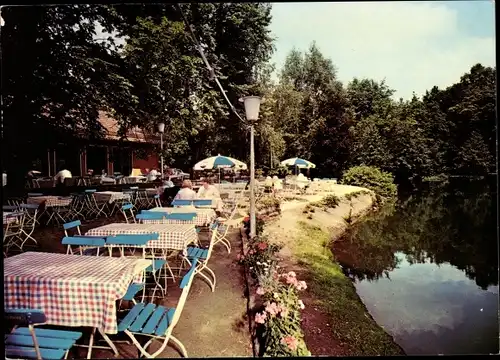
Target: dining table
[
  {"x": 72, "y": 290},
  {"x": 204, "y": 216},
  {"x": 171, "y": 236}
]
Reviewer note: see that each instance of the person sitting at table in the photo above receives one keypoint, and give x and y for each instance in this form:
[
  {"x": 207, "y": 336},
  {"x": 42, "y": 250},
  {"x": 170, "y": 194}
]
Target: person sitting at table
[
  {"x": 208, "y": 191},
  {"x": 60, "y": 176},
  {"x": 152, "y": 175},
  {"x": 186, "y": 192}
]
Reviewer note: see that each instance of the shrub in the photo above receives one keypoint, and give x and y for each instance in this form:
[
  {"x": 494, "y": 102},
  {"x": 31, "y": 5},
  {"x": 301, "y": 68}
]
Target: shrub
[
  {"x": 355, "y": 194},
  {"x": 268, "y": 202},
  {"x": 330, "y": 201},
  {"x": 381, "y": 182}
]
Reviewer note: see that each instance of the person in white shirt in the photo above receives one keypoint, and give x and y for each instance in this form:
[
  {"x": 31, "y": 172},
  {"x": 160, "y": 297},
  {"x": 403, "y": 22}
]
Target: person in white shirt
[
  {"x": 152, "y": 175},
  {"x": 208, "y": 191},
  {"x": 61, "y": 175},
  {"x": 186, "y": 192}
]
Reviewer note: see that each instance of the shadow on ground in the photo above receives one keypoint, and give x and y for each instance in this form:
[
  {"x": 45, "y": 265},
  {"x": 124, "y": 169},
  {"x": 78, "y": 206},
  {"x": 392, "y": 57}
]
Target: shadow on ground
[{"x": 213, "y": 324}]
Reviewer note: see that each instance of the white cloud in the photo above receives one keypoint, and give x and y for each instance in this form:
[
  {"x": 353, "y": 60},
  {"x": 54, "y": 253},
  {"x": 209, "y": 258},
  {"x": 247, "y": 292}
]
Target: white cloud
[{"x": 413, "y": 45}]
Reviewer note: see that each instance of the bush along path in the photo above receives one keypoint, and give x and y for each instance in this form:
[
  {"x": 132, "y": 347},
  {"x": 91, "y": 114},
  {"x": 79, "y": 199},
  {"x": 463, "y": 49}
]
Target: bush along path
[{"x": 275, "y": 306}]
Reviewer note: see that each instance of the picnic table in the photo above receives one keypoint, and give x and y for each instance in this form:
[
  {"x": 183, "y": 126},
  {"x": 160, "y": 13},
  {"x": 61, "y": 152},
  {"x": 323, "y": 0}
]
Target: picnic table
[
  {"x": 72, "y": 290},
  {"x": 110, "y": 196},
  {"x": 203, "y": 217},
  {"x": 49, "y": 201},
  {"x": 172, "y": 236}
]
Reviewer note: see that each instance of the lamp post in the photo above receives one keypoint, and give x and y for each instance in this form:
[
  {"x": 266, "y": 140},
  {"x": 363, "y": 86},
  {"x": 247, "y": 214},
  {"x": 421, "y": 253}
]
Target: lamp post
[
  {"x": 161, "y": 130},
  {"x": 252, "y": 107}
]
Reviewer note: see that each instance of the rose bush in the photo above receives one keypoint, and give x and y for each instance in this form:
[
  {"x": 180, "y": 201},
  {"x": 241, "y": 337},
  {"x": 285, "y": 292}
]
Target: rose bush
[{"x": 278, "y": 319}]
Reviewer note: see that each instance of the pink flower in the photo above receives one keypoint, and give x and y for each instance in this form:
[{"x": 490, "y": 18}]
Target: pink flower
[
  {"x": 260, "y": 318},
  {"x": 283, "y": 311},
  {"x": 291, "y": 342},
  {"x": 301, "y": 285},
  {"x": 239, "y": 257},
  {"x": 260, "y": 291},
  {"x": 272, "y": 309},
  {"x": 251, "y": 252},
  {"x": 301, "y": 305},
  {"x": 292, "y": 274}
]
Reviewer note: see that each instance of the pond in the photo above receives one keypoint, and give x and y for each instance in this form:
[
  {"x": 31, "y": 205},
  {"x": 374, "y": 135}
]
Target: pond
[{"x": 427, "y": 269}]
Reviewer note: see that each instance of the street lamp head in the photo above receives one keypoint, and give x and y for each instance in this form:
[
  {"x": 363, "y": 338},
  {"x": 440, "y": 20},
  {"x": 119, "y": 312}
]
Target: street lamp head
[
  {"x": 252, "y": 107},
  {"x": 161, "y": 127}
]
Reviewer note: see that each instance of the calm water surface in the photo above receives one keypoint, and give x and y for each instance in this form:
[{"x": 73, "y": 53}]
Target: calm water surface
[{"x": 427, "y": 269}]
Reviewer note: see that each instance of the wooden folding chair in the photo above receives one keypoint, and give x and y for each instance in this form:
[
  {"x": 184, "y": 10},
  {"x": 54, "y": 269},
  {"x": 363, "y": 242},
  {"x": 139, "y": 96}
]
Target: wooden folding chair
[
  {"x": 30, "y": 343},
  {"x": 202, "y": 256},
  {"x": 157, "y": 322}
]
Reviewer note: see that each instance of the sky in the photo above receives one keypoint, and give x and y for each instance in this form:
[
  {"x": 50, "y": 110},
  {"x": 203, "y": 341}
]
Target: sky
[{"x": 412, "y": 45}]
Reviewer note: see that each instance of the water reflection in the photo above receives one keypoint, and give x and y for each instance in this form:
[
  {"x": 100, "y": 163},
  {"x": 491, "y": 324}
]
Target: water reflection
[{"x": 427, "y": 270}]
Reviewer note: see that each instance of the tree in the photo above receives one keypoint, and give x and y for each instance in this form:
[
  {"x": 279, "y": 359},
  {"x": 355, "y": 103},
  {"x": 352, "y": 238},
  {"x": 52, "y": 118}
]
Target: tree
[{"x": 64, "y": 79}]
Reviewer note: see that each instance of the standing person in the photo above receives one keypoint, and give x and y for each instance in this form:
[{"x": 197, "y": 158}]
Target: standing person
[{"x": 186, "y": 192}]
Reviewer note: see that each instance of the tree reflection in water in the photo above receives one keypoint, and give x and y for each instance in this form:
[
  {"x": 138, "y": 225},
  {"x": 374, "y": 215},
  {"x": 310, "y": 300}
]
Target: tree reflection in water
[{"x": 451, "y": 223}]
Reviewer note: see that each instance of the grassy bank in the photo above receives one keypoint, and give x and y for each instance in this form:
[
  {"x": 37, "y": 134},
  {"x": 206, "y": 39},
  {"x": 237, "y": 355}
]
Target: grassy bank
[{"x": 336, "y": 295}]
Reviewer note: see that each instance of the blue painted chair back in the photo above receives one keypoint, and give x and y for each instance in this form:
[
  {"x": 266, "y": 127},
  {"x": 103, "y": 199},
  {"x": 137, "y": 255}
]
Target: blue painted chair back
[
  {"x": 181, "y": 216},
  {"x": 84, "y": 241},
  {"x": 28, "y": 206},
  {"x": 182, "y": 202},
  {"x": 34, "y": 194},
  {"x": 127, "y": 207},
  {"x": 131, "y": 239},
  {"x": 10, "y": 207},
  {"x": 157, "y": 196},
  {"x": 202, "y": 202},
  {"x": 72, "y": 224},
  {"x": 24, "y": 317},
  {"x": 134, "y": 188},
  {"x": 90, "y": 191},
  {"x": 151, "y": 216}
]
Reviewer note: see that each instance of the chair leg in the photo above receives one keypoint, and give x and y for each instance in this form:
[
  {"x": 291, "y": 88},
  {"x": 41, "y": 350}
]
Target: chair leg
[
  {"x": 91, "y": 343},
  {"x": 179, "y": 345}
]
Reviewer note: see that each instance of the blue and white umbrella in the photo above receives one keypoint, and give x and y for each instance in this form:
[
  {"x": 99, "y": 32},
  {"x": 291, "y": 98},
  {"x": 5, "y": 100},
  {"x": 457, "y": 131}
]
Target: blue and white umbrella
[
  {"x": 300, "y": 163},
  {"x": 220, "y": 162}
]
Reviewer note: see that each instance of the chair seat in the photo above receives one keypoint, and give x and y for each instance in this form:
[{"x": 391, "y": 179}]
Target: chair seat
[
  {"x": 23, "y": 352},
  {"x": 53, "y": 344},
  {"x": 132, "y": 290},
  {"x": 194, "y": 252},
  {"x": 158, "y": 264},
  {"x": 43, "y": 342},
  {"x": 147, "y": 319}
]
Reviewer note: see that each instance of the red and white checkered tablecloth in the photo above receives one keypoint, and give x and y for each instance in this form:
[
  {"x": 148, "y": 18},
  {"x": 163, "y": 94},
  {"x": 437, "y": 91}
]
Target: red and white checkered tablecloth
[
  {"x": 110, "y": 196},
  {"x": 72, "y": 290},
  {"x": 7, "y": 219},
  {"x": 50, "y": 201},
  {"x": 172, "y": 236},
  {"x": 203, "y": 216}
]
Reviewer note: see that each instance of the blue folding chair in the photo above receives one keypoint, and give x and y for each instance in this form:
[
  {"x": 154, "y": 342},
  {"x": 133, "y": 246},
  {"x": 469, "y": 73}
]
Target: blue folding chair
[
  {"x": 72, "y": 225},
  {"x": 129, "y": 218},
  {"x": 202, "y": 202},
  {"x": 152, "y": 215},
  {"x": 156, "y": 321},
  {"x": 86, "y": 245},
  {"x": 181, "y": 216},
  {"x": 182, "y": 202},
  {"x": 30, "y": 343}
]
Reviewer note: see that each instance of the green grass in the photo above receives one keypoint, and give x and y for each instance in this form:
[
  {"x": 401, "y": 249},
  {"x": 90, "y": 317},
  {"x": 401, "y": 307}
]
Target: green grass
[{"x": 336, "y": 294}]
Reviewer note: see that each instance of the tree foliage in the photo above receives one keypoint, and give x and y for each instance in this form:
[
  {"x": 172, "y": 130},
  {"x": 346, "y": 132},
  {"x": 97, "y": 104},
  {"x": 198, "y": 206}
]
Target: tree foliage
[{"x": 67, "y": 75}]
